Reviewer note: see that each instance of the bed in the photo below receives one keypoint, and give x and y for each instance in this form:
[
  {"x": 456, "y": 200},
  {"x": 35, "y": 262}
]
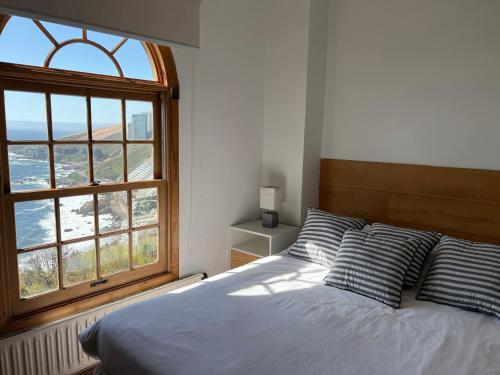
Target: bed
[{"x": 275, "y": 316}]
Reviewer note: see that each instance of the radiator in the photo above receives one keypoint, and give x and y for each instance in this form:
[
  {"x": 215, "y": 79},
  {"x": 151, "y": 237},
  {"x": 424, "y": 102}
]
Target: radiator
[{"x": 53, "y": 349}]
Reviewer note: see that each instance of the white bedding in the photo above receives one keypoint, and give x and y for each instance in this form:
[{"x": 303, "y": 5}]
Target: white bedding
[{"x": 274, "y": 316}]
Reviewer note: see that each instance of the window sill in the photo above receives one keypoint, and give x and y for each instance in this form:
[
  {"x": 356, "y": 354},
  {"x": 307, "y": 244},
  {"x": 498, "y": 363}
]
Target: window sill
[{"x": 22, "y": 323}]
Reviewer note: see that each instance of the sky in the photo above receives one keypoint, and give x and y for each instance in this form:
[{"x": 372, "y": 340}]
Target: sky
[{"x": 22, "y": 42}]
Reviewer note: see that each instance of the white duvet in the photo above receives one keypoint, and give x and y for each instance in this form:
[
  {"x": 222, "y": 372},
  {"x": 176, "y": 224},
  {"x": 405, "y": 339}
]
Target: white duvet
[{"x": 274, "y": 316}]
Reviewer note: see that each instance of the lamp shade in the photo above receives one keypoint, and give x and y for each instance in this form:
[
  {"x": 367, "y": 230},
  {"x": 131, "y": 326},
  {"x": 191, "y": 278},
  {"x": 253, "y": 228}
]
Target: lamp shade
[{"x": 269, "y": 199}]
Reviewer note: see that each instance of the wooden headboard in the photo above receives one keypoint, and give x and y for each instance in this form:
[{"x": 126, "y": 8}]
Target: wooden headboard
[{"x": 455, "y": 201}]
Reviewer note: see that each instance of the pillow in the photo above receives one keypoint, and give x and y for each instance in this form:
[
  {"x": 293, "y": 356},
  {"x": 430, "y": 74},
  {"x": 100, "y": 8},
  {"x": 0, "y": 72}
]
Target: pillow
[
  {"x": 321, "y": 235},
  {"x": 427, "y": 242},
  {"x": 464, "y": 274},
  {"x": 373, "y": 266}
]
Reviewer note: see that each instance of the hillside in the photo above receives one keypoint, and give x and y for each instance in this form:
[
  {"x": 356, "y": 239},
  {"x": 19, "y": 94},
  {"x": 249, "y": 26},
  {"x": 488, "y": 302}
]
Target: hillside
[{"x": 108, "y": 160}]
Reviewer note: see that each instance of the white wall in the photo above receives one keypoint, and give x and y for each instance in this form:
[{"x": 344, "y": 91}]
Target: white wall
[
  {"x": 249, "y": 96},
  {"x": 406, "y": 81},
  {"x": 285, "y": 101},
  {"x": 315, "y": 94},
  {"x": 414, "y": 82},
  {"x": 293, "y": 110},
  {"x": 221, "y": 116}
]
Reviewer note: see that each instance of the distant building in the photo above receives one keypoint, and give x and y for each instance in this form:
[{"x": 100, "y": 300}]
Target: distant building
[{"x": 141, "y": 126}]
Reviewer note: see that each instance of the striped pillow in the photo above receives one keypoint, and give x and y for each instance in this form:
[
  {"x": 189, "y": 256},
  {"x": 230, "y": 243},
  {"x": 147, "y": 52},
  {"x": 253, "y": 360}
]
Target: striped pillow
[
  {"x": 373, "y": 266},
  {"x": 427, "y": 242},
  {"x": 464, "y": 274},
  {"x": 321, "y": 235}
]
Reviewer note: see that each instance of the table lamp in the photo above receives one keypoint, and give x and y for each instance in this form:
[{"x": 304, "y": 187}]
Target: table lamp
[{"x": 269, "y": 201}]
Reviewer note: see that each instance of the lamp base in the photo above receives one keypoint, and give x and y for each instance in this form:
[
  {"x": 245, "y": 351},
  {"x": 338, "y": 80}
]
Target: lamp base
[{"x": 270, "y": 219}]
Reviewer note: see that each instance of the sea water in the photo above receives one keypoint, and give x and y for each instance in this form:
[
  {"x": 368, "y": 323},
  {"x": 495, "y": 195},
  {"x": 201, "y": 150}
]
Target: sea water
[{"x": 31, "y": 216}]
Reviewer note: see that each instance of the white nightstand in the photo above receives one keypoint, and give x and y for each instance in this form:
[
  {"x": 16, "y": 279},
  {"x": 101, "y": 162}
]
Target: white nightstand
[{"x": 251, "y": 241}]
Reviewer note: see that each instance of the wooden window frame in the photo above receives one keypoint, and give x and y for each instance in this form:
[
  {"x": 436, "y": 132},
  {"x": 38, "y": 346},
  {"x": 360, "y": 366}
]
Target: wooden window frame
[{"x": 164, "y": 92}]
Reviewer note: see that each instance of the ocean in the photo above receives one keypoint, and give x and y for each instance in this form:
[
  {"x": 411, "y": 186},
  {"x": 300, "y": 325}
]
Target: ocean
[{"x": 35, "y": 220}]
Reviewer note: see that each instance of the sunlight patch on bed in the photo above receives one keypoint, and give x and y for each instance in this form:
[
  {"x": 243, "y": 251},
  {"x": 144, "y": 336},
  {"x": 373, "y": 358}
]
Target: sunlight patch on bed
[
  {"x": 268, "y": 289},
  {"x": 252, "y": 291},
  {"x": 275, "y": 285}
]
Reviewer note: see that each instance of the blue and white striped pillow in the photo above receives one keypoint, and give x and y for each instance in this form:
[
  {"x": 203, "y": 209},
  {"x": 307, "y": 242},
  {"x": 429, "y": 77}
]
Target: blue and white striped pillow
[
  {"x": 427, "y": 242},
  {"x": 321, "y": 235},
  {"x": 373, "y": 266},
  {"x": 464, "y": 274}
]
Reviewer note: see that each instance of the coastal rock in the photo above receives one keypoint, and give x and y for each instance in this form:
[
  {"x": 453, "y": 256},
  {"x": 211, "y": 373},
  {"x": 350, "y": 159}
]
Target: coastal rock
[{"x": 87, "y": 209}]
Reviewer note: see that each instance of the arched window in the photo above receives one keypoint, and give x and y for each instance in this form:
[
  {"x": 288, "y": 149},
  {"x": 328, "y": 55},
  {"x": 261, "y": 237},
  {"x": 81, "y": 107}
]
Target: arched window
[
  {"x": 40, "y": 43},
  {"x": 89, "y": 197}
]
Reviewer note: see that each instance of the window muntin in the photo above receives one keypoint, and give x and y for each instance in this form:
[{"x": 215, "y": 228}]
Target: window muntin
[{"x": 71, "y": 48}]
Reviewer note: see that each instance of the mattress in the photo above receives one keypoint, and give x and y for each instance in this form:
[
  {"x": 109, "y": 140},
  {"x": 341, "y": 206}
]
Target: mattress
[{"x": 274, "y": 316}]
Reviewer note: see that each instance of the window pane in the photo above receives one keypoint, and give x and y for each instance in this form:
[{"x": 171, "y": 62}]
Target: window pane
[
  {"x": 134, "y": 61},
  {"x": 71, "y": 165},
  {"x": 23, "y": 124},
  {"x": 37, "y": 272},
  {"x": 77, "y": 216},
  {"x": 106, "y": 119},
  {"x": 29, "y": 167},
  {"x": 35, "y": 223},
  {"x": 114, "y": 254},
  {"x": 113, "y": 211},
  {"x": 83, "y": 58},
  {"x": 140, "y": 162},
  {"x": 139, "y": 119},
  {"x": 108, "y": 41},
  {"x": 108, "y": 163},
  {"x": 145, "y": 247},
  {"x": 62, "y": 32},
  {"x": 23, "y": 32},
  {"x": 79, "y": 262},
  {"x": 144, "y": 207},
  {"x": 69, "y": 117}
]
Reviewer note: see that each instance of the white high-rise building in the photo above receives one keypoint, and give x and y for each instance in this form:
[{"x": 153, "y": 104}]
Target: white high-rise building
[{"x": 141, "y": 126}]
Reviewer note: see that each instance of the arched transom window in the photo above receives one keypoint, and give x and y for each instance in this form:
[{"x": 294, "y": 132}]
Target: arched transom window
[
  {"x": 41, "y": 43},
  {"x": 85, "y": 118}
]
